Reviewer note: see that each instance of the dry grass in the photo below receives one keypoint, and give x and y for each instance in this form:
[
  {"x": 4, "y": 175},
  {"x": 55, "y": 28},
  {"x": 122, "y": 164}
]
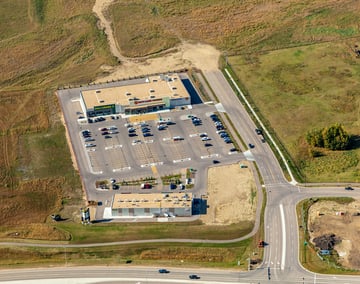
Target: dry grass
[
  {"x": 36, "y": 175},
  {"x": 234, "y": 26},
  {"x": 303, "y": 88}
]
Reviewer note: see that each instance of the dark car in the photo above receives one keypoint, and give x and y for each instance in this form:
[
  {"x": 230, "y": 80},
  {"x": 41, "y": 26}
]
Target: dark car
[
  {"x": 216, "y": 161},
  {"x": 258, "y": 131},
  {"x": 349, "y": 188},
  {"x": 105, "y": 133},
  {"x": 147, "y": 134},
  {"x": 194, "y": 276},
  {"x": 251, "y": 146},
  {"x": 107, "y": 137},
  {"x": 207, "y": 144},
  {"x": 164, "y": 270},
  {"x": 145, "y": 129},
  {"x": 132, "y": 134}
]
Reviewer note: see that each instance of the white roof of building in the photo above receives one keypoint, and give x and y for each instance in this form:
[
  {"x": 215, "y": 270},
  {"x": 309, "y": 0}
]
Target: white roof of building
[
  {"x": 152, "y": 200},
  {"x": 153, "y": 90}
]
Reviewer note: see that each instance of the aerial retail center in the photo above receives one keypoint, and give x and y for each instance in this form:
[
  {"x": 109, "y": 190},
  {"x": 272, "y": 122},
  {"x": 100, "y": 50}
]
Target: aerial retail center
[{"x": 152, "y": 93}]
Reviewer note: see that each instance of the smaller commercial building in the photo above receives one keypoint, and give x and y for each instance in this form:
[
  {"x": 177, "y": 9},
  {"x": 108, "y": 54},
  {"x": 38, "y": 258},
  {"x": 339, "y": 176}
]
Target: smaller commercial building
[
  {"x": 152, "y": 205},
  {"x": 149, "y": 94}
]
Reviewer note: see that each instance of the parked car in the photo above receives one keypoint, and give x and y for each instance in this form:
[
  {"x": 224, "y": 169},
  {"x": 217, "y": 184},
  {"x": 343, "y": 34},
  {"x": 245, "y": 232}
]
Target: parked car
[
  {"x": 147, "y": 134},
  {"x": 205, "y": 139},
  {"x": 145, "y": 129},
  {"x": 146, "y": 186},
  {"x": 108, "y": 136},
  {"x": 203, "y": 135},
  {"x": 251, "y": 146},
  {"x": 89, "y": 145}
]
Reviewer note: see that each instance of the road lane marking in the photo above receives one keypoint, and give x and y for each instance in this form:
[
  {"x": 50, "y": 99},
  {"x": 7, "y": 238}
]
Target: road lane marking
[{"x": 283, "y": 237}]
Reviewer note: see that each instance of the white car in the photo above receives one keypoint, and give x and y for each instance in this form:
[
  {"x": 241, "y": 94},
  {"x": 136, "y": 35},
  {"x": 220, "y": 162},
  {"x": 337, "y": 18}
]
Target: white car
[{"x": 205, "y": 139}]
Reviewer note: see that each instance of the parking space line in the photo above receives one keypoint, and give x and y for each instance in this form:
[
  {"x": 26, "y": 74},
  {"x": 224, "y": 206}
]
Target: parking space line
[
  {"x": 121, "y": 169},
  {"x": 209, "y": 156},
  {"x": 181, "y": 160},
  {"x": 113, "y": 147}
]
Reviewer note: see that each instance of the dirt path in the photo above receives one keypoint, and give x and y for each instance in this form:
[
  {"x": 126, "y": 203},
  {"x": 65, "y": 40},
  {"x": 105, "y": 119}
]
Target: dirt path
[
  {"x": 185, "y": 55},
  {"x": 99, "y": 9}
]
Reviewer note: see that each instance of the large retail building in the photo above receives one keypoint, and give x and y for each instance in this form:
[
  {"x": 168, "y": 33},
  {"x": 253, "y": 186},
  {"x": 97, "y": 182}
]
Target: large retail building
[
  {"x": 152, "y": 205},
  {"x": 153, "y": 93}
]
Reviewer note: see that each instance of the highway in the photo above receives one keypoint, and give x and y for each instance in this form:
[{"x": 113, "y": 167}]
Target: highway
[{"x": 280, "y": 263}]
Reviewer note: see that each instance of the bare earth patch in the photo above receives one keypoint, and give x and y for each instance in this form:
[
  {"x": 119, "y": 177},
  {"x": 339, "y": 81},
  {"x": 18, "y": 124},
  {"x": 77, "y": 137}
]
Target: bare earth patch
[
  {"x": 186, "y": 55},
  {"x": 329, "y": 217},
  {"x": 232, "y": 195}
]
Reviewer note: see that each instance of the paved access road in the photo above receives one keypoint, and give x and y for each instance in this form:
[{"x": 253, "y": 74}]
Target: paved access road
[
  {"x": 281, "y": 228},
  {"x": 280, "y": 264}
]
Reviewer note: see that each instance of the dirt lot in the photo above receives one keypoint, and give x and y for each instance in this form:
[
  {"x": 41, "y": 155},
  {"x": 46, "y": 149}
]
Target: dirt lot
[
  {"x": 232, "y": 195},
  {"x": 329, "y": 217}
]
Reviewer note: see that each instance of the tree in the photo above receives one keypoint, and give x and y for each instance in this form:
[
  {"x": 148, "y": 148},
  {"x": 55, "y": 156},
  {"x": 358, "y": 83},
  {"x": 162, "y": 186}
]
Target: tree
[
  {"x": 315, "y": 138},
  {"x": 333, "y": 137}
]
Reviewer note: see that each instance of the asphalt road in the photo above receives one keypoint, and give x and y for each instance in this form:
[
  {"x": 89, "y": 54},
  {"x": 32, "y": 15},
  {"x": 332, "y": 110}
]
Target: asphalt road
[{"x": 280, "y": 263}]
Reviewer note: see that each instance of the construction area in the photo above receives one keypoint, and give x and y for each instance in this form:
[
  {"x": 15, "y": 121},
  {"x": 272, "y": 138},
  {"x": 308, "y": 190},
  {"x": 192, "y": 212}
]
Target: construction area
[{"x": 335, "y": 228}]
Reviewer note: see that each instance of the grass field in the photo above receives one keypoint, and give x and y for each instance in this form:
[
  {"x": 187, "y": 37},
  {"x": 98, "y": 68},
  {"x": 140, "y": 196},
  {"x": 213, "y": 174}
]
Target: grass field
[
  {"x": 303, "y": 88},
  {"x": 144, "y": 27},
  {"x": 168, "y": 254},
  {"x": 44, "y": 44}
]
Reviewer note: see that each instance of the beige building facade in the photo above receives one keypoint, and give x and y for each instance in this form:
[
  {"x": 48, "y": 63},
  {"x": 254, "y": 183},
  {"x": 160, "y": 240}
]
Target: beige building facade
[{"x": 153, "y": 93}]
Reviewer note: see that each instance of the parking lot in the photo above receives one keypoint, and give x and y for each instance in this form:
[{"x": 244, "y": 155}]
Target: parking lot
[{"x": 119, "y": 145}]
